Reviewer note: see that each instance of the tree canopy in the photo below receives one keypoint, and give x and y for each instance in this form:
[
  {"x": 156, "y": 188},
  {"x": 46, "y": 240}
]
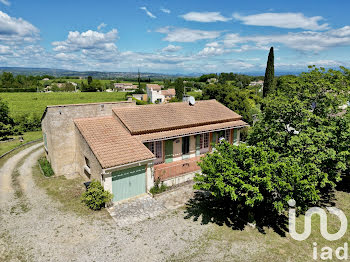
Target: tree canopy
[{"x": 298, "y": 148}]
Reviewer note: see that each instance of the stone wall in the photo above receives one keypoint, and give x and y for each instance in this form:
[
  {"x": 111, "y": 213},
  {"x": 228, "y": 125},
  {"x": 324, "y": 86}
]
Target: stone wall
[{"x": 58, "y": 125}]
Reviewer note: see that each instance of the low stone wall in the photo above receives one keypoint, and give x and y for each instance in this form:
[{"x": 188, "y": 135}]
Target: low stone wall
[{"x": 176, "y": 169}]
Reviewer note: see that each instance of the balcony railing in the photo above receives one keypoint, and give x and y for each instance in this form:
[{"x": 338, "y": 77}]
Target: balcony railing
[{"x": 166, "y": 171}]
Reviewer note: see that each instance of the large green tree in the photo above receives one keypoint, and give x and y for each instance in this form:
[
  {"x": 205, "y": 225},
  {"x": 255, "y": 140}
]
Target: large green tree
[
  {"x": 6, "y": 122},
  {"x": 179, "y": 88},
  {"x": 299, "y": 148},
  {"x": 269, "y": 74},
  {"x": 257, "y": 178}
]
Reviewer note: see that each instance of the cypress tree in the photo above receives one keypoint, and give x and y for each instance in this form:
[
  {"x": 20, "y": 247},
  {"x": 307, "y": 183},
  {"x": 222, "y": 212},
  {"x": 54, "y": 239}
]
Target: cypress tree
[
  {"x": 269, "y": 74},
  {"x": 179, "y": 88}
]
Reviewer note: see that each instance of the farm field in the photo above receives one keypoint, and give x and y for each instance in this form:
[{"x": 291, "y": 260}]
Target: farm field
[
  {"x": 27, "y": 137},
  {"x": 23, "y": 103}
]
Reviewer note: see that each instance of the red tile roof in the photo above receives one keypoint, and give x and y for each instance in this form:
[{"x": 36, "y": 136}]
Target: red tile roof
[
  {"x": 110, "y": 142},
  {"x": 155, "y": 118},
  {"x": 155, "y": 87}
]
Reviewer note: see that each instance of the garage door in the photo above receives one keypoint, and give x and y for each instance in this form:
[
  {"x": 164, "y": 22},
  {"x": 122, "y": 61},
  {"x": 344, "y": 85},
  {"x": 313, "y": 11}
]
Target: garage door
[{"x": 129, "y": 182}]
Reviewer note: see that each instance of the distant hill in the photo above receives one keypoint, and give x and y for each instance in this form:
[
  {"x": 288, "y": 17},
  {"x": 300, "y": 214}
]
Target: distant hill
[
  {"x": 94, "y": 74},
  {"x": 108, "y": 75}
]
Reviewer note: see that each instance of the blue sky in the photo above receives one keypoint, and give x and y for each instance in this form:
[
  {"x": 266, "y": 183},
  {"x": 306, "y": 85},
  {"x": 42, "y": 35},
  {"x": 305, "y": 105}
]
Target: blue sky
[{"x": 174, "y": 36}]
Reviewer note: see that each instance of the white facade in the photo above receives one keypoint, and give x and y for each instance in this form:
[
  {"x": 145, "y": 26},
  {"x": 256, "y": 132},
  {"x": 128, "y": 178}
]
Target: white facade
[{"x": 155, "y": 96}]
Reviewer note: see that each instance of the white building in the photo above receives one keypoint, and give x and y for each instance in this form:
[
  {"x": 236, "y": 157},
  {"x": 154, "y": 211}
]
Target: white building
[{"x": 154, "y": 93}]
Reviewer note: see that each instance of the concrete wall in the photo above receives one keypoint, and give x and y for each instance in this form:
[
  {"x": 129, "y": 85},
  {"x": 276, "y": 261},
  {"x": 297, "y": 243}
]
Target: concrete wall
[
  {"x": 180, "y": 179},
  {"x": 83, "y": 150},
  {"x": 58, "y": 125}
]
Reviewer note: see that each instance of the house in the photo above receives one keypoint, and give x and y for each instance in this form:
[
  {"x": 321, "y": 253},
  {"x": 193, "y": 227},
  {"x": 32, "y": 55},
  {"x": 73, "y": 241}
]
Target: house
[
  {"x": 212, "y": 80},
  {"x": 129, "y": 147},
  {"x": 257, "y": 83},
  {"x": 154, "y": 93},
  {"x": 168, "y": 94},
  {"x": 125, "y": 87}
]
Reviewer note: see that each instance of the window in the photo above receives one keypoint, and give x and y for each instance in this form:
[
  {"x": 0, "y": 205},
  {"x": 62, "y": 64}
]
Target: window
[
  {"x": 227, "y": 135},
  {"x": 204, "y": 143},
  {"x": 151, "y": 147},
  {"x": 204, "y": 140},
  {"x": 185, "y": 145},
  {"x": 87, "y": 162},
  {"x": 159, "y": 149},
  {"x": 156, "y": 149}
]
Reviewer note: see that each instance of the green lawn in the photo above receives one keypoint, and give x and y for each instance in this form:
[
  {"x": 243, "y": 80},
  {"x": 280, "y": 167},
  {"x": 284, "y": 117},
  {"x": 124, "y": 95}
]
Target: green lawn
[
  {"x": 68, "y": 193},
  {"x": 27, "y": 137},
  {"x": 196, "y": 95},
  {"x": 22, "y": 103}
]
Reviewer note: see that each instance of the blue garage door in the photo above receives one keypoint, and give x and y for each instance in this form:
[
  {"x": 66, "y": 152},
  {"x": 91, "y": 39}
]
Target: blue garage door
[{"x": 129, "y": 182}]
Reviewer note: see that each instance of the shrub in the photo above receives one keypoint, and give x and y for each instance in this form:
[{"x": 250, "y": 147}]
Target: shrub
[
  {"x": 96, "y": 197},
  {"x": 158, "y": 187},
  {"x": 46, "y": 167}
]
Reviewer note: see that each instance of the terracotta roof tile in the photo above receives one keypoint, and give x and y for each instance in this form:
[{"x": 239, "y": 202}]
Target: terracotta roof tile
[
  {"x": 154, "y": 86},
  {"x": 190, "y": 131},
  {"x": 155, "y": 118},
  {"x": 168, "y": 92},
  {"x": 110, "y": 142}
]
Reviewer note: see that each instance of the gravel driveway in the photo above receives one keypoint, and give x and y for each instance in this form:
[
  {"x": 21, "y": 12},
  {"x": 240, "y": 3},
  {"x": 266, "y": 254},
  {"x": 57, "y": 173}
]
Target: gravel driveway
[{"x": 33, "y": 227}]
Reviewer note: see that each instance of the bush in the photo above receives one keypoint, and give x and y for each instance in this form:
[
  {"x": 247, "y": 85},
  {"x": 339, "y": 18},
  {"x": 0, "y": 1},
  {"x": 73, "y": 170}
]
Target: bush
[
  {"x": 96, "y": 197},
  {"x": 46, "y": 167},
  {"x": 158, "y": 187}
]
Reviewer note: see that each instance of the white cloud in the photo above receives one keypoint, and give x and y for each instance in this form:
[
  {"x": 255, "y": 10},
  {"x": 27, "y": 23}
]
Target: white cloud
[
  {"x": 16, "y": 29},
  {"x": 89, "y": 40},
  {"x": 172, "y": 48},
  {"x": 5, "y": 2},
  {"x": 186, "y": 34},
  {"x": 301, "y": 41},
  {"x": 102, "y": 25},
  {"x": 283, "y": 20},
  {"x": 206, "y": 17},
  {"x": 148, "y": 12},
  {"x": 164, "y": 10},
  {"x": 4, "y": 50}
]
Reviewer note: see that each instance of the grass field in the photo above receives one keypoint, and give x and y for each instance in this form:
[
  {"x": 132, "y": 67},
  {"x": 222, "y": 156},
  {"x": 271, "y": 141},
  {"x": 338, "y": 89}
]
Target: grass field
[
  {"x": 27, "y": 137},
  {"x": 22, "y": 103},
  {"x": 196, "y": 95}
]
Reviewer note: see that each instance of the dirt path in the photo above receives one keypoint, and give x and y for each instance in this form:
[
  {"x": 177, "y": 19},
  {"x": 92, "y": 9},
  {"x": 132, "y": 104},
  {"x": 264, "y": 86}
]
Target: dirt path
[
  {"x": 33, "y": 227},
  {"x": 8, "y": 168}
]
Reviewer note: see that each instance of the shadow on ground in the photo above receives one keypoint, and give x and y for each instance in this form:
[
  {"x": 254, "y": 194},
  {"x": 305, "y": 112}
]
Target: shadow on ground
[
  {"x": 344, "y": 184},
  {"x": 208, "y": 209}
]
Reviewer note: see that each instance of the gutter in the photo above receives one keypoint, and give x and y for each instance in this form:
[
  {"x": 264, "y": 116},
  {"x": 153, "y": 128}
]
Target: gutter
[{"x": 190, "y": 134}]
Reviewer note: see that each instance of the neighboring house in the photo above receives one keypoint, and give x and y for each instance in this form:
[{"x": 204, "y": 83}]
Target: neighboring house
[
  {"x": 125, "y": 87},
  {"x": 168, "y": 94},
  {"x": 154, "y": 93},
  {"x": 142, "y": 97},
  {"x": 46, "y": 79},
  {"x": 129, "y": 147},
  {"x": 212, "y": 80},
  {"x": 257, "y": 83}
]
